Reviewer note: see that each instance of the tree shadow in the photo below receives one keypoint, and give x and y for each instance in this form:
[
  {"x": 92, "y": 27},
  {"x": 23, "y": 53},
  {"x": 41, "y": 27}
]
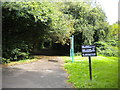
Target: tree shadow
[{"x": 52, "y": 52}]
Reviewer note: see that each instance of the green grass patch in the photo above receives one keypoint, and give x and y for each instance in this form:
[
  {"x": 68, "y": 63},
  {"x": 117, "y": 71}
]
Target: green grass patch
[
  {"x": 36, "y": 58},
  {"x": 104, "y": 72}
]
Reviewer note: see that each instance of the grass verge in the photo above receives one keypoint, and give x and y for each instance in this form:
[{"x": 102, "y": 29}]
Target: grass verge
[
  {"x": 104, "y": 72},
  {"x": 36, "y": 58}
]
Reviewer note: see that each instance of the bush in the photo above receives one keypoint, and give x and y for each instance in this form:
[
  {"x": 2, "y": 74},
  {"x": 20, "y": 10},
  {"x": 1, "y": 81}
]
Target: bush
[
  {"x": 106, "y": 48},
  {"x": 19, "y": 54},
  {"x": 78, "y": 54},
  {"x": 112, "y": 42},
  {"x": 4, "y": 60},
  {"x": 15, "y": 52},
  {"x": 109, "y": 52}
]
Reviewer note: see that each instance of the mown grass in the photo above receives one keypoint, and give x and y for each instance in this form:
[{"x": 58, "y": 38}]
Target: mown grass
[{"x": 104, "y": 72}]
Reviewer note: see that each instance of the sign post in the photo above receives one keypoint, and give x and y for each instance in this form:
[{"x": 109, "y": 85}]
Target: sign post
[
  {"x": 90, "y": 68},
  {"x": 72, "y": 48},
  {"x": 88, "y": 51}
]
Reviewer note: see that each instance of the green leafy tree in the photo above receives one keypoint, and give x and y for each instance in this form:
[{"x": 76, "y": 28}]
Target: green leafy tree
[
  {"x": 30, "y": 24},
  {"x": 90, "y": 23},
  {"x": 113, "y": 32}
]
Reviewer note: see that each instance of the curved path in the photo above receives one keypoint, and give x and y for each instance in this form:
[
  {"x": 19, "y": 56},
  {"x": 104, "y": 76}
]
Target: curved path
[{"x": 47, "y": 72}]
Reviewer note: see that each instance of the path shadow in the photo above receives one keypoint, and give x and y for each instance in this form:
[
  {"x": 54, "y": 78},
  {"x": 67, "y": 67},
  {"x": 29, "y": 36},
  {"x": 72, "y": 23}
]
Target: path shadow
[{"x": 51, "y": 52}]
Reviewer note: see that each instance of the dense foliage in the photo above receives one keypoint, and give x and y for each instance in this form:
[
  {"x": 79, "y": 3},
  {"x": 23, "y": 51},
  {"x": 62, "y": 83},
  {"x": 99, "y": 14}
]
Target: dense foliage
[
  {"x": 90, "y": 23},
  {"x": 28, "y": 26}
]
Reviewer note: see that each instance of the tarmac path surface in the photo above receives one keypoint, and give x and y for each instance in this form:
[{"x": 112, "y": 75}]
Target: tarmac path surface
[{"x": 47, "y": 72}]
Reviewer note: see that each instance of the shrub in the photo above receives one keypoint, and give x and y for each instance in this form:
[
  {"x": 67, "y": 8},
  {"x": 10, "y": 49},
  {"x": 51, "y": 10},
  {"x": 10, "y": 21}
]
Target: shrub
[
  {"x": 19, "y": 54},
  {"x": 15, "y": 52},
  {"x": 4, "y": 60},
  {"x": 106, "y": 48},
  {"x": 78, "y": 54}
]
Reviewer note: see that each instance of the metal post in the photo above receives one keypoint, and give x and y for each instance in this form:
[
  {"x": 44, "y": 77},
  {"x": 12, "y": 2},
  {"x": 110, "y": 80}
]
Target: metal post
[
  {"x": 72, "y": 48},
  {"x": 90, "y": 68}
]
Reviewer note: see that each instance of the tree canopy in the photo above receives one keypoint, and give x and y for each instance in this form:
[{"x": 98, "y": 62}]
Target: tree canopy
[{"x": 27, "y": 25}]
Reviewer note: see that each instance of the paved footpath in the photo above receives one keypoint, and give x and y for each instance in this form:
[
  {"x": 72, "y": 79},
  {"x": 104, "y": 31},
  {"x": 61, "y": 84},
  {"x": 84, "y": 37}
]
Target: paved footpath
[{"x": 48, "y": 72}]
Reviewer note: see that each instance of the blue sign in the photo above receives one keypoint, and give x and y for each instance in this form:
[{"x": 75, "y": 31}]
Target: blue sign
[{"x": 88, "y": 50}]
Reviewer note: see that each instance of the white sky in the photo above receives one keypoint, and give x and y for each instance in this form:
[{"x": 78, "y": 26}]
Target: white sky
[{"x": 110, "y": 7}]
